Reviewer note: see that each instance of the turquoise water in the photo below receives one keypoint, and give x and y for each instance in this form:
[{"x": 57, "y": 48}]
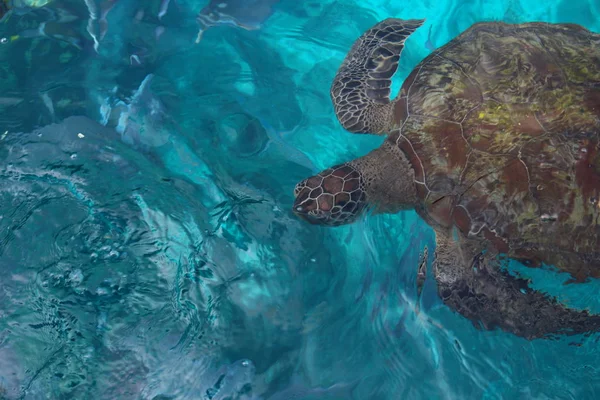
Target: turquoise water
[{"x": 147, "y": 248}]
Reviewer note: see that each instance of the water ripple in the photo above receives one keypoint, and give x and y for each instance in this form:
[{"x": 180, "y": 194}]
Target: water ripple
[{"x": 147, "y": 249}]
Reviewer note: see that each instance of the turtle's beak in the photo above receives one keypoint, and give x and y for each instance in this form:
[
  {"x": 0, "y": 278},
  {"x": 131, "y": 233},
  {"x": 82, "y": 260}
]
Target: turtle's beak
[
  {"x": 308, "y": 210},
  {"x": 314, "y": 216},
  {"x": 305, "y": 207}
]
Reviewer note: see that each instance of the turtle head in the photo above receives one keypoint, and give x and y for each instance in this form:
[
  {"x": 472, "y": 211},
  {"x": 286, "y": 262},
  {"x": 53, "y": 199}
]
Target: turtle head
[
  {"x": 333, "y": 197},
  {"x": 382, "y": 181}
]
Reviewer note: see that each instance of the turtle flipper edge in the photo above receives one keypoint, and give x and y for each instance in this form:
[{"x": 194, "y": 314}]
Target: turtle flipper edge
[
  {"x": 361, "y": 88},
  {"x": 471, "y": 282},
  {"x": 421, "y": 277}
]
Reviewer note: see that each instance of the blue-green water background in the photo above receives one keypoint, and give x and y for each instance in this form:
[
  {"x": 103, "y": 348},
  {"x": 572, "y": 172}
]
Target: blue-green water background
[{"x": 144, "y": 264}]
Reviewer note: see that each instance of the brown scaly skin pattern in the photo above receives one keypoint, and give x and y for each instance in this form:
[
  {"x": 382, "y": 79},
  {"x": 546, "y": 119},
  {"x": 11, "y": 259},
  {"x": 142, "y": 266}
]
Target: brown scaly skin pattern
[
  {"x": 494, "y": 140},
  {"x": 356, "y": 86},
  {"x": 315, "y": 201}
]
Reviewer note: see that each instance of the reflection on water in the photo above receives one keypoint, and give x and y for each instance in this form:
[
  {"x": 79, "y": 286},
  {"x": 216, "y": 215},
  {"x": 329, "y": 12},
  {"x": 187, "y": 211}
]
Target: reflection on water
[
  {"x": 247, "y": 14},
  {"x": 147, "y": 249}
]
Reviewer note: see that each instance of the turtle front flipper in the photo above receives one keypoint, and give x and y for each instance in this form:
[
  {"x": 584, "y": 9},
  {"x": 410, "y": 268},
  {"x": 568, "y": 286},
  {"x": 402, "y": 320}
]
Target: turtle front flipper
[
  {"x": 361, "y": 88},
  {"x": 471, "y": 282}
]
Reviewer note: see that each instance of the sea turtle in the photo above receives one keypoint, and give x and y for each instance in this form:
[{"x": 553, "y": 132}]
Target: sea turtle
[{"x": 494, "y": 140}]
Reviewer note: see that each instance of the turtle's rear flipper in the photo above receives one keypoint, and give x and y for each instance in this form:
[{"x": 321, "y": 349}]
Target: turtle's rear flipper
[
  {"x": 472, "y": 283},
  {"x": 361, "y": 89}
]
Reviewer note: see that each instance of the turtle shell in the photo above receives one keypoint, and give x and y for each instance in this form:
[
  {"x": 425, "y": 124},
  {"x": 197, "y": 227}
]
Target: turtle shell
[{"x": 502, "y": 127}]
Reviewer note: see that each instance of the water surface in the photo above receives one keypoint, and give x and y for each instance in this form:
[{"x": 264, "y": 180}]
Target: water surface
[{"x": 147, "y": 249}]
